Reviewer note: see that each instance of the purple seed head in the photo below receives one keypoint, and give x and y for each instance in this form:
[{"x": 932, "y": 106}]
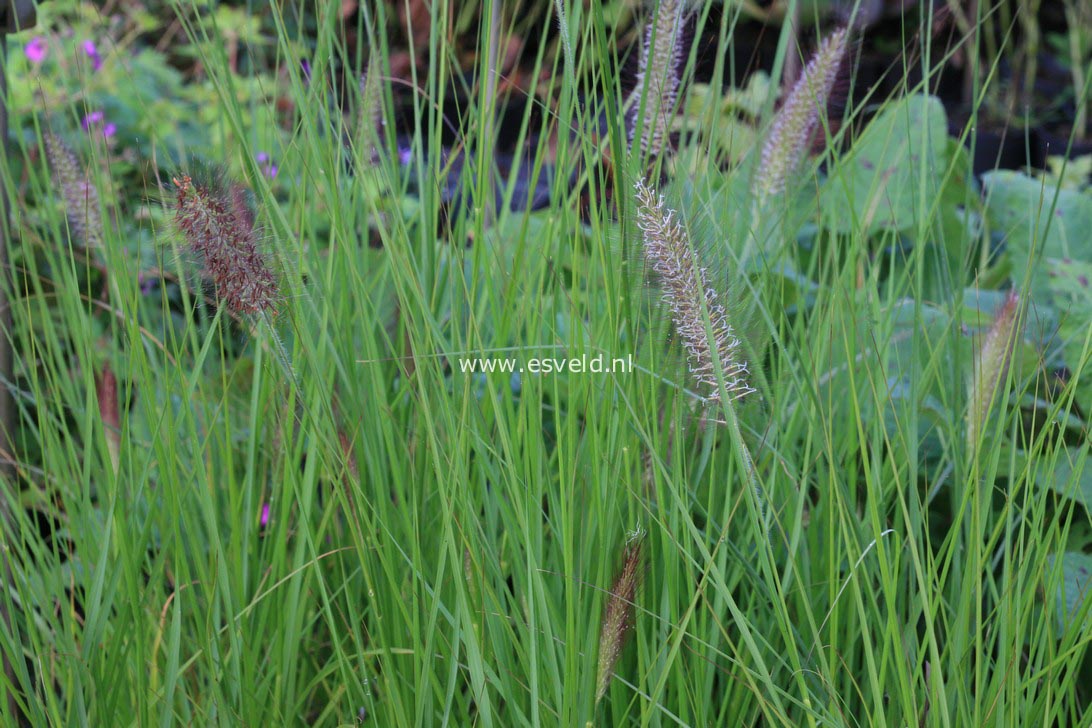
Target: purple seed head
[
  {"x": 81, "y": 197},
  {"x": 218, "y": 225},
  {"x": 617, "y": 620},
  {"x": 798, "y": 118}
]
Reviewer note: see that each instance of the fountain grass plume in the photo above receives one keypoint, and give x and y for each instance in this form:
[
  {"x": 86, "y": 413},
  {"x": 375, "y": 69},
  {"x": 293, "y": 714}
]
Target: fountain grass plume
[
  {"x": 371, "y": 106},
  {"x": 563, "y": 31},
  {"x": 217, "y": 221},
  {"x": 617, "y": 620},
  {"x": 81, "y": 198},
  {"x": 691, "y": 300},
  {"x": 653, "y": 99},
  {"x": 991, "y": 366},
  {"x": 795, "y": 123}
]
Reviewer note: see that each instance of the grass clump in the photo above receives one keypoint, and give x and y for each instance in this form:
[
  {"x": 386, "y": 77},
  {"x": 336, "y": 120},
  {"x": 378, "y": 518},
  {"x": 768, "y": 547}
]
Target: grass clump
[{"x": 389, "y": 512}]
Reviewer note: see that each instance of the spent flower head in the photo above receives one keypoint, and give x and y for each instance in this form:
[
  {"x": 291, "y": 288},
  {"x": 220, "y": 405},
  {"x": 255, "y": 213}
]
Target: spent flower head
[
  {"x": 216, "y": 219},
  {"x": 690, "y": 299},
  {"x": 798, "y": 118}
]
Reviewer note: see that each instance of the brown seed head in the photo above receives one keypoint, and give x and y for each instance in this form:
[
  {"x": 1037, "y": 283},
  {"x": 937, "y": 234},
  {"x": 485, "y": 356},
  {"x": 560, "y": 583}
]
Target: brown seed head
[{"x": 219, "y": 227}]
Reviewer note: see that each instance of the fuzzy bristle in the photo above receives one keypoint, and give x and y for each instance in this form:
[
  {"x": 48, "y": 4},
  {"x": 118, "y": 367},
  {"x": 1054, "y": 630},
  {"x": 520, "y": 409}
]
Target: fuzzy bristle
[
  {"x": 991, "y": 365},
  {"x": 106, "y": 390},
  {"x": 687, "y": 293},
  {"x": 617, "y": 620},
  {"x": 371, "y": 107},
  {"x": 658, "y": 77},
  {"x": 791, "y": 134},
  {"x": 218, "y": 225}
]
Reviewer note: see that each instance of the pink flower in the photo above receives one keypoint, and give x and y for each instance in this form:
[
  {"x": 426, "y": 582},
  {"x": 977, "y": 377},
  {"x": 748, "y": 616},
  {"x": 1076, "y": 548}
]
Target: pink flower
[
  {"x": 36, "y": 49},
  {"x": 263, "y": 521},
  {"x": 89, "y": 120},
  {"x": 268, "y": 168},
  {"x": 92, "y": 52},
  {"x": 98, "y": 119}
]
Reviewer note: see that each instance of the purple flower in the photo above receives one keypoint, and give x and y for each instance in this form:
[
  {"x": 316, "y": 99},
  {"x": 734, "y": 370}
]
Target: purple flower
[
  {"x": 405, "y": 155},
  {"x": 146, "y": 283},
  {"x": 263, "y": 521},
  {"x": 92, "y": 52},
  {"x": 98, "y": 119},
  {"x": 305, "y": 67},
  {"x": 89, "y": 120},
  {"x": 36, "y": 49},
  {"x": 268, "y": 168}
]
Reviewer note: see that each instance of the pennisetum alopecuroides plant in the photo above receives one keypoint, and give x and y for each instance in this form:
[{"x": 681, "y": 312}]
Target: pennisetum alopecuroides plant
[
  {"x": 80, "y": 196},
  {"x": 653, "y": 99},
  {"x": 691, "y": 299},
  {"x": 991, "y": 366},
  {"x": 217, "y": 222},
  {"x": 798, "y": 118},
  {"x": 616, "y": 622}
]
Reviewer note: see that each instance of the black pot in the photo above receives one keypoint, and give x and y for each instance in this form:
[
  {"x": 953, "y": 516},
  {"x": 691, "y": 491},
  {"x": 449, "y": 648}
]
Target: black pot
[{"x": 1007, "y": 149}]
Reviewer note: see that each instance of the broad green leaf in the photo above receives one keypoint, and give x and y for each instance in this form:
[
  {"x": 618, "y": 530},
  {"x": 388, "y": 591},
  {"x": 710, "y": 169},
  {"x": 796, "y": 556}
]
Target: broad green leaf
[
  {"x": 1073, "y": 174},
  {"x": 1036, "y": 225},
  {"x": 1049, "y": 246},
  {"x": 1071, "y": 476},
  {"x": 1075, "y": 587},
  {"x": 1070, "y": 283},
  {"x": 892, "y": 176}
]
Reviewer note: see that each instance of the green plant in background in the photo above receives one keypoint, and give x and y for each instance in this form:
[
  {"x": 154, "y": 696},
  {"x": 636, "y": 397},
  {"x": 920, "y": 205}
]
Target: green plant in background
[
  {"x": 1042, "y": 221},
  {"x": 1078, "y": 47},
  {"x": 212, "y": 525},
  {"x": 728, "y": 120}
]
